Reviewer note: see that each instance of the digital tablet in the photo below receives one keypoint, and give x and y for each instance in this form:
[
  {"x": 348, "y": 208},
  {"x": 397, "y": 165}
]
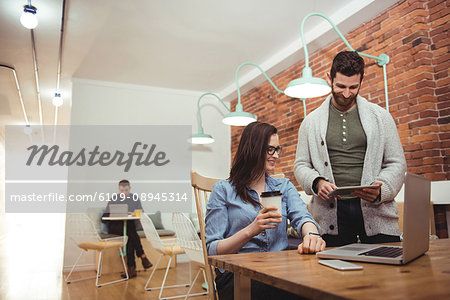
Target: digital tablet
[{"x": 347, "y": 190}]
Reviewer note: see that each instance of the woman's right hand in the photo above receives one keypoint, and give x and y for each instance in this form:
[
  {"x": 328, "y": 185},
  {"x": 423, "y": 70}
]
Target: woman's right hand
[{"x": 265, "y": 215}]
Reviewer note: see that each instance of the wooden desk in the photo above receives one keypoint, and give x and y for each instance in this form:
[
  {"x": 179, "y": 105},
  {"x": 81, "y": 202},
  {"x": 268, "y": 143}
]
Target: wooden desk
[{"x": 427, "y": 277}]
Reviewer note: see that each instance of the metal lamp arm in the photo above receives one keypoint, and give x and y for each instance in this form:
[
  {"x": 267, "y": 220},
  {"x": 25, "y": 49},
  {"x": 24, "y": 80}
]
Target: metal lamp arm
[
  {"x": 200, "y": 127},
  {"x": 382, "y": 60},
  {"x": 261, "y": 70}
]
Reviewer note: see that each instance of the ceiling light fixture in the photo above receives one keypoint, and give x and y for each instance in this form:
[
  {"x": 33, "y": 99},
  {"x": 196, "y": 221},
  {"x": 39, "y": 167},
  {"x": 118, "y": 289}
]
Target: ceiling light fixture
[
  {"x": 28, "y": 18},
  {"x": 57, "y": 100},
  {"x": 201, "y": 138},
  {"x": 239, "y": 117},
  {"x": 308, "y": 86},
  {"x": 27, "y": 130}
]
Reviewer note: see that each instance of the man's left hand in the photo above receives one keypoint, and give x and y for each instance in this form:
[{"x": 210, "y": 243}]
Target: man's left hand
[
  {"x": 311, "y": 244},
  {"x": 369, "y": 194}
]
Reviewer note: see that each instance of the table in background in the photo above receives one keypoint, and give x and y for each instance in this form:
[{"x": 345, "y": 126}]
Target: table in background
[
  {"x": 124, "y": 219},
  {"x": 424, "y": 278}
]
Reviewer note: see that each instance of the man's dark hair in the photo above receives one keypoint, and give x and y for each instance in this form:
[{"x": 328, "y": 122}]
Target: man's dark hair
[
  {"x": 348, "y": 63},
  {"x": 124, "y": 182}
]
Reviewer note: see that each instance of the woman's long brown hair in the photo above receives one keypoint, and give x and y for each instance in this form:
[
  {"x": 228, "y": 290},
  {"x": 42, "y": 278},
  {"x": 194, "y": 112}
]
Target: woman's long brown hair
[{"x": 250, "y": 159}]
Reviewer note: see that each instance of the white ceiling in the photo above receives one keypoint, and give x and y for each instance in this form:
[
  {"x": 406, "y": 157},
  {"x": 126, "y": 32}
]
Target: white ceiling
[{"x": 190, "y": 45}]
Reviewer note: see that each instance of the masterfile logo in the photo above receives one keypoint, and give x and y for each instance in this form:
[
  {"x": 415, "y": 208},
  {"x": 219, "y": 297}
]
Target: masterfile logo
[
  {"x": 65, "y": 168},
  {"x": 52, "y": 156}
]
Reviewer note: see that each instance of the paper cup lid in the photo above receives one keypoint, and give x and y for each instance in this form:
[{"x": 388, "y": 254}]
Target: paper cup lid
[{"x": 271, "y": 194}]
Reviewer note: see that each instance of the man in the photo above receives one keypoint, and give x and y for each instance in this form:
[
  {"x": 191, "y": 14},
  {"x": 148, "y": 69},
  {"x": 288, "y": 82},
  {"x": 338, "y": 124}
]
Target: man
[
  {"x": 116, "y": 227},
  {"x": 349, "y": 141}
]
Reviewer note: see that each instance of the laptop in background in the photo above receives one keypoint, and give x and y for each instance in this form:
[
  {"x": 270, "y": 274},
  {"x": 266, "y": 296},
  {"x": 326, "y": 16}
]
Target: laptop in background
[
  {"x": 118, "y": 210},
  {"x": 416, "y": 226}
]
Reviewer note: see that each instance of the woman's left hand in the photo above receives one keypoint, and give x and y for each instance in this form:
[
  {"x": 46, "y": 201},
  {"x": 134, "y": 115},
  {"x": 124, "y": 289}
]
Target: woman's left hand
[{"x": 311, "y": 244}]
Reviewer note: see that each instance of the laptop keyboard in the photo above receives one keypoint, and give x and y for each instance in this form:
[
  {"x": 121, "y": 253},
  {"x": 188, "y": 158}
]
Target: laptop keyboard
[{"x": 384, "y": 252}]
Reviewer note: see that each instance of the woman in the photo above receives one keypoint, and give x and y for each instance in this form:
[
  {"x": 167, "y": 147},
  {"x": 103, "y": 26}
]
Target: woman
[{"x": 235, "y": 220}]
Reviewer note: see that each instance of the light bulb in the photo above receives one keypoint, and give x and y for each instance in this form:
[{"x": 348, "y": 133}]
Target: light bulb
[
  {"x": 27, "y": 130},
  {"x": 57, "y": 100},
  {"x": 201, "y": 138},
  {"x": 29, "y": 19}
]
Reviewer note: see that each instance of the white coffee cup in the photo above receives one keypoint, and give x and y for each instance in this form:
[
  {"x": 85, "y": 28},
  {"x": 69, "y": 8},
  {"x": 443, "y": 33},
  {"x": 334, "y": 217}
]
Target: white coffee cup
[{"x": 272, "y": 198}]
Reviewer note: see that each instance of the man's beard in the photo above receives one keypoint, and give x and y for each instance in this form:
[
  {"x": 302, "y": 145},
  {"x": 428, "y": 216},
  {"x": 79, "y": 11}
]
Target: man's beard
[{"x": 342, "y": 101}]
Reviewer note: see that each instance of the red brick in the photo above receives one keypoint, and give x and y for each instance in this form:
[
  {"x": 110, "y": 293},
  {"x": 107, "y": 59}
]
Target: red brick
[
  {"x": 428, "y": 129},
  {"x": 425, "y": 169},
  {"x": 428, "y": 113},
  {"x": 430, "y": 145},
  {"x": 441, "y": 75},
  {"x": 411, "y": 147},
  {"x": 423, "y": 138},
  {"x": 444, "y": 112},
  {"x": 425, "y": 153},
  {"x": 433, "y": 160},
  {"x": 444, "y": 136},
  {"x": 420, "y": 123},
  {"x": 444, "y": 128},
  {"x": 415, "y": 5},
  {"x": 435, "y": 176},
  {"x": 421, "y": 107},
  {"x": 415, "y": 162},
  {"x": 425, "y": 83}
]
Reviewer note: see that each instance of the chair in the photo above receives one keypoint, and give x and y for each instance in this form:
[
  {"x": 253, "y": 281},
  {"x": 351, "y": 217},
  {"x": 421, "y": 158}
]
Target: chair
[
  {"x": 83, "y": 232},
  {"x": 166, "y": 247},
  {"x": 202, "y": 188},
  {"x": 188, "y": 239}
]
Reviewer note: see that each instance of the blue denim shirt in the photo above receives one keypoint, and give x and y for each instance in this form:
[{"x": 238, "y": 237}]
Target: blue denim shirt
[{"x": 226, "y": 214}]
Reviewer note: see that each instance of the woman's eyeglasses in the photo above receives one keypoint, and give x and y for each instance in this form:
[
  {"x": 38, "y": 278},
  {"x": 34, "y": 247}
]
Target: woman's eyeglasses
[{"x": 271, "y": 150}]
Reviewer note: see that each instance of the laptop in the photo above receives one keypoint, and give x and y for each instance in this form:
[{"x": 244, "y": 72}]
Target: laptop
[
  {"x": 416, "y": 226},
  {"x": 118, "y": 210}
]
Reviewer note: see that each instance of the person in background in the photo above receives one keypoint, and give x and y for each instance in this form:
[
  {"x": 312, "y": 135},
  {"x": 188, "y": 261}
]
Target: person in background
[
  {"x": 349, "y": 141},
  {"x": 134, "y": 246},
  {"x": 237, "y": 223}
]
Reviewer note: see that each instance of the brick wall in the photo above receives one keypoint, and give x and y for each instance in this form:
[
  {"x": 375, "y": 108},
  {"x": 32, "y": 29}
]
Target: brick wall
[{"x": 415, "y": 35}]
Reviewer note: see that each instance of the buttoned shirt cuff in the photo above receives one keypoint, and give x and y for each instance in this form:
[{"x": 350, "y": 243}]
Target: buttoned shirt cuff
[
  {"x": 212, "y": 249},
  {"x": 314, "y": 184}
]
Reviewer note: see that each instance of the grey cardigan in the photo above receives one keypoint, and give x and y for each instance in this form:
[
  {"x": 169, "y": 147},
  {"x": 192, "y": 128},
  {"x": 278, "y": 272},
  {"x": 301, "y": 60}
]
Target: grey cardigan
[{"x": 384, "y": 162}]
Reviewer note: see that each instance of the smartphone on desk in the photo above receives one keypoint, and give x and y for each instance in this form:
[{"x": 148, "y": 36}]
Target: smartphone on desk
[{"x": 340, "y": 265}]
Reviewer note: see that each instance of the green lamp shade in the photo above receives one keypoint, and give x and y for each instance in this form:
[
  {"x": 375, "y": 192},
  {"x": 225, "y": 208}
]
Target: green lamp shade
[
  {"x": 239, "y": 118},
  {"x": 201, "y": 139},
  {"x": 307, "y": 86},
  {"x": 310, "y": 88}
]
